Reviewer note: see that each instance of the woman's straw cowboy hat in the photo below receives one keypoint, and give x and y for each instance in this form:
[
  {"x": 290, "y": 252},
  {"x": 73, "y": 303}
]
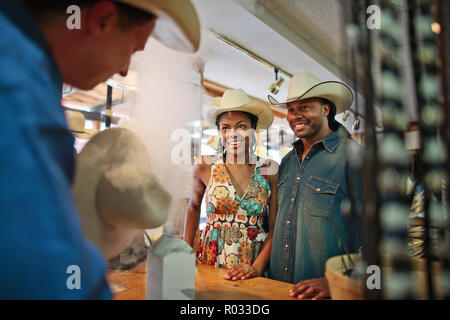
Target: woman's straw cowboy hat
[
  {"x": 116, "y": 193},
  {"x": 305, "y": 85},
  {"x": 237, "y": 100},
  {"x": 177, "y": 26},
  {"x": 76, "y": 123}
]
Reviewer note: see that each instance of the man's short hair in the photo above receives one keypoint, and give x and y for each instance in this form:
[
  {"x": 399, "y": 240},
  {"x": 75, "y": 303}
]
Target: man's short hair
[
  {"x": 333, "y": 124},
  {"x": 129, "y": 16}
]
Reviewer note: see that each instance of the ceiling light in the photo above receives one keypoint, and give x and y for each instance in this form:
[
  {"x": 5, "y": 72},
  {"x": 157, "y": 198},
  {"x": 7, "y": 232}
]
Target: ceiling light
[
  {"x": 346, "y": 115},
  {"x": 275, "y": 87}
]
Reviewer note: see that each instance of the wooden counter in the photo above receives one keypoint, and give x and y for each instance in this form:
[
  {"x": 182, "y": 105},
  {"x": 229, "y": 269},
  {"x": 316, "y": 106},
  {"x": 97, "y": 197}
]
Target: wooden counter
[{"x": 209, "y": 285}]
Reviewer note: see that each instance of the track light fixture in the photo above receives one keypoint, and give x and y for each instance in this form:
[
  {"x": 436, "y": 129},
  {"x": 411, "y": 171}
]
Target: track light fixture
[{"x": 275, "y": 87}]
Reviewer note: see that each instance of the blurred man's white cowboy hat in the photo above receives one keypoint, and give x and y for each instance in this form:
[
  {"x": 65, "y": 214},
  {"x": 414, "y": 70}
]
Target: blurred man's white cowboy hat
[
  {"x": 76, "y": 123},
  {"x": 177, "y": 26},
  {"x": 116, "y": 193},
  {"x": 306, "y": 85},
  {"x": 237, "y": 100}
]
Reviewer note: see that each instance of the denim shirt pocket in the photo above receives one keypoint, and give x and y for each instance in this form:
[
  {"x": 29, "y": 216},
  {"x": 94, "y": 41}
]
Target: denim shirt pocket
[{"x": 319, "y": 197}]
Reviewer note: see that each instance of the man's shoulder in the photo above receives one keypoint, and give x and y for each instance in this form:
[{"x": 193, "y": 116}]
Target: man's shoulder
[
  {"x": 288, "y": 157},
  {"x": 353, "y": 143},
  {"x": 13, "y": 39},
  {"x": 287, "y": 162},
  {"x": 26, "y": 65},
  {"x": 349, "y": 144}
]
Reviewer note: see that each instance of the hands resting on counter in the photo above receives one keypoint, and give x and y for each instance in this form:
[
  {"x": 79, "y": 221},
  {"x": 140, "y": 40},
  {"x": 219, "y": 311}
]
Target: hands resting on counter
[{"x": 315, "y": 289}]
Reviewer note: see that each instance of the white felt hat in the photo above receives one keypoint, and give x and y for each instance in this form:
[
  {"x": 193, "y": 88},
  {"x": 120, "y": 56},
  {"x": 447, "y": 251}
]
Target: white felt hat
[
  {"x": 237, "y": 100},
  {"x": 177, "y": 26},
  {"x": 116, "y": 192},
  {"x": 305, "y": 85}
]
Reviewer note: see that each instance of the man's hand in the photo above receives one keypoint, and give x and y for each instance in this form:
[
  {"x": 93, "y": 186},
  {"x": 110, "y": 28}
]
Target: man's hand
[
  {"x": 315, "y": 289},
  {"x": 241, "y": 272}
]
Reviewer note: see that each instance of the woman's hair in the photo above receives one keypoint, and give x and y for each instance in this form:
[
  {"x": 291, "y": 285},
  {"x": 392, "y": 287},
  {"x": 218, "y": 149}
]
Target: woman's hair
[
  {"x": 333, "y": 124},
  {"x": 252, "y": 117},
  {"x": 129, "y": 16}
]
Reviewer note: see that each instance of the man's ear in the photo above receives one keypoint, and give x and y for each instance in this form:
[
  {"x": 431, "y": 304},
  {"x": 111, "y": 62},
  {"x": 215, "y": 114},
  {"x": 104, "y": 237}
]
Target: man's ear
[
  {"x": 101, "y": 18},
  {"x": 326, "y": 109}
]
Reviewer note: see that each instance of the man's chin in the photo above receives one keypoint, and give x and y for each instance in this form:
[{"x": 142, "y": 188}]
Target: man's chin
[
  {"x": 301, "y": 134},
  {"x": 84, "y": 88}
]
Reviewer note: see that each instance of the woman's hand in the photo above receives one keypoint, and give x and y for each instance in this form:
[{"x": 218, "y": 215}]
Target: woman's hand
[{"x": 241, "y": 272}]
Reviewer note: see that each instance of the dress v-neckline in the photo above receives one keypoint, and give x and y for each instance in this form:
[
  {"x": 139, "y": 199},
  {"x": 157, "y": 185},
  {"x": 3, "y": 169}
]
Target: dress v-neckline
[{"x": 248, "y": 185}]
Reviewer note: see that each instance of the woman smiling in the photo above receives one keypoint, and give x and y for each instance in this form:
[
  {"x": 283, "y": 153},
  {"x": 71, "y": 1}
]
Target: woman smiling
[{"x": 239, "y": 187}]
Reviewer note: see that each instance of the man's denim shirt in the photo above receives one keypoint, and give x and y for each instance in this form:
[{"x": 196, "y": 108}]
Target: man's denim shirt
[
  {"x": 310, "y": 195},
  {"x": 41, "y": 234}
]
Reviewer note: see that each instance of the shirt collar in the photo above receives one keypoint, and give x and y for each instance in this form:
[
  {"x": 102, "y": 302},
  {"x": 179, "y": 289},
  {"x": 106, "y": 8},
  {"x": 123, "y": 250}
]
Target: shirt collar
[
  {"x": 23, "y": 20},
  {"x": 329, "y": 142}
]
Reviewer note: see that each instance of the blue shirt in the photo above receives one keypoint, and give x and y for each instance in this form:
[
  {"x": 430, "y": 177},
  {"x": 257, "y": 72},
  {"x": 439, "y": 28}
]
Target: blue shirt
[
  {"x": 309, "y": 221},
  {"x": 40, "y": 232}
]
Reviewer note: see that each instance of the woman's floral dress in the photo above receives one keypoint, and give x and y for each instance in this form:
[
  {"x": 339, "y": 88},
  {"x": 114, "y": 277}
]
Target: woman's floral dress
[{"x": 233, "y": 232}]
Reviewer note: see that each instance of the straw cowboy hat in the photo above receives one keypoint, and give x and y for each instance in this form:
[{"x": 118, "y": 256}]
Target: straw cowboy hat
[
  {"x": 115, "y": 191},
  {"x": 305, "y": 85},
  {"x": 177, "y": 26},
  {"x": 237, "y": 100},
  {"x": 76, "y": 123}
]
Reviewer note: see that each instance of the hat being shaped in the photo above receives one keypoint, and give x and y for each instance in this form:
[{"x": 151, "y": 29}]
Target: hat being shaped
[
  {"x": 116, "y": 192},
  {"x": 237, "y": 100},
  {"x": 177, "y": 25},
  {"x": 306, "y": 85}
]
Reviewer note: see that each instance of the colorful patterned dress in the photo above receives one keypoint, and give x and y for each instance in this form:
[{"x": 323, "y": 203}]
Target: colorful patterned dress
[{"x": 233, "y": 232}]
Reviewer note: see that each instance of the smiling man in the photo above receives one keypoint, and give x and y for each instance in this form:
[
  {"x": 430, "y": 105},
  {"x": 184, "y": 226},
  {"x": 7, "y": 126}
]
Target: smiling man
[
  {"x": 316, "y": 181},
  {"x": 44, "y": 253}
]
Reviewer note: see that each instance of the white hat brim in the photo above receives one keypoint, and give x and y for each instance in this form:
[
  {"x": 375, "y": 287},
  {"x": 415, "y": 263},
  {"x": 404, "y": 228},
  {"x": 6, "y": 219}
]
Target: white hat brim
[
  {"x": 335, "y": 91},
  {"x": 114, "y": 167},
  {"x": 85, "y": 134},
  {"x": 177, "y": 26},
  {"x": 259, "y": 109}
]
